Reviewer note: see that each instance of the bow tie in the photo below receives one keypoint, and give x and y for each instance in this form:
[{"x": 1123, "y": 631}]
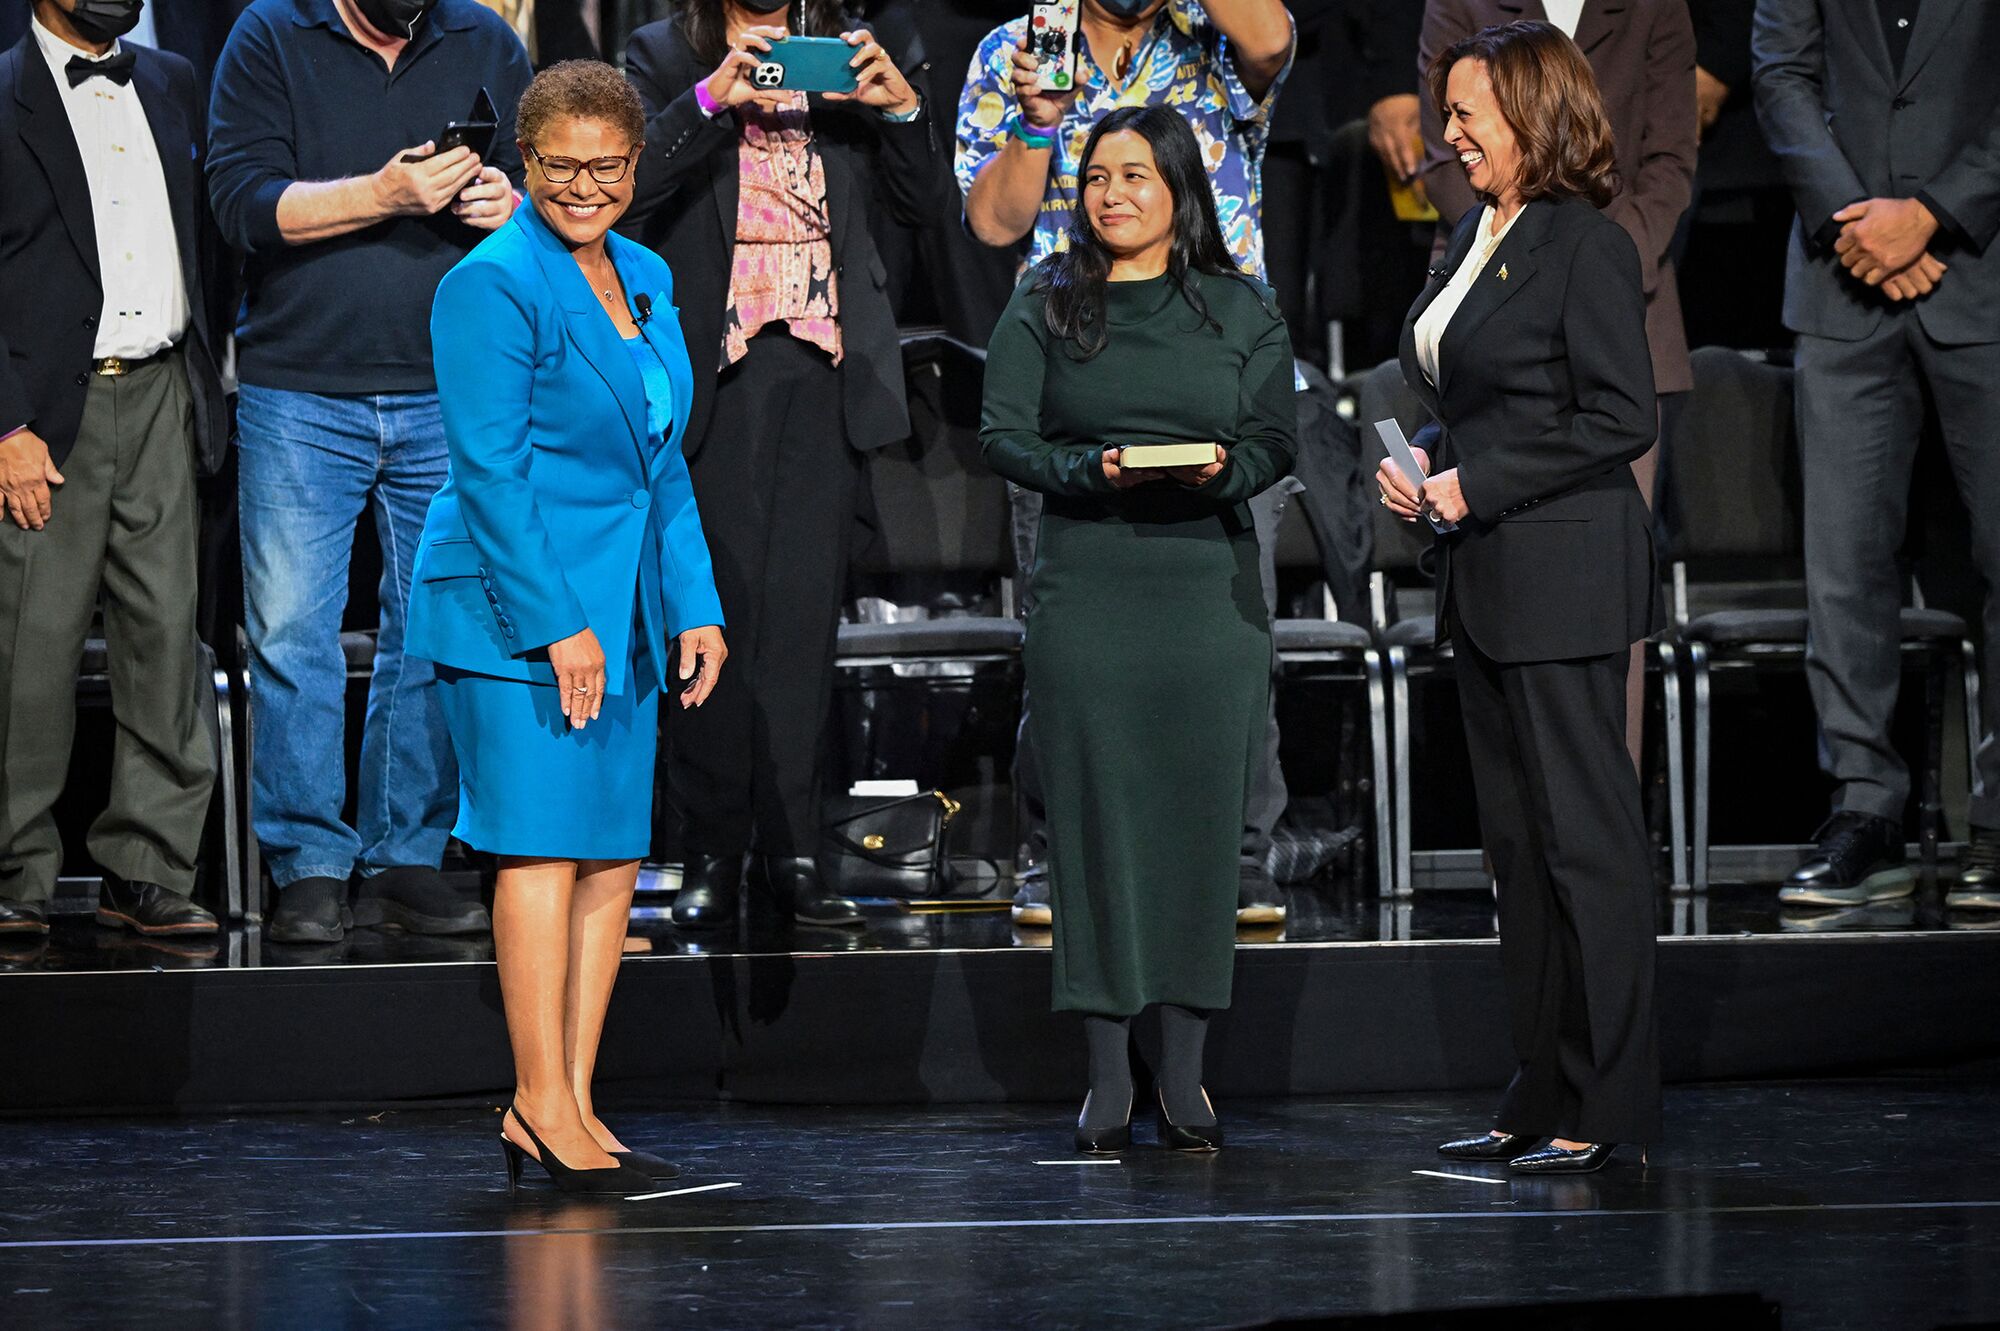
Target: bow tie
[{"x": 118, "y": 68}]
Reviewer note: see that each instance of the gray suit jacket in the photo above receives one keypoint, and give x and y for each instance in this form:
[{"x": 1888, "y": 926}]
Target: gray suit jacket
[{"x": 1846, "y": 125}]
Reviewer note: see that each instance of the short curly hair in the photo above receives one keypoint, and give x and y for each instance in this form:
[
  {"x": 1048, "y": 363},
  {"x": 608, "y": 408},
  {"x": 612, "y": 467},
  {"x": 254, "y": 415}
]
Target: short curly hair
[{"x": 580, "y": 90}]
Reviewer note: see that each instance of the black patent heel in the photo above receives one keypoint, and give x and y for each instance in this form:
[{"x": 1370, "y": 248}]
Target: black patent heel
[
  {"x": 619, "y": 1180},
  {"x": 514, "y": 1156},
  {"x": 1175, "y": 1137},
  {"x": 1103, "y": 1141}
]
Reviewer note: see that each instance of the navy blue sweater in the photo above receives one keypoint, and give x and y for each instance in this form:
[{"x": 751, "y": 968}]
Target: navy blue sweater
[{"x": 297, "y": 98}]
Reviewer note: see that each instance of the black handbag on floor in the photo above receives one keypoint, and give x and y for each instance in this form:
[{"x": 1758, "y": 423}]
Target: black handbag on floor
[{"x": 897, "y": 847}]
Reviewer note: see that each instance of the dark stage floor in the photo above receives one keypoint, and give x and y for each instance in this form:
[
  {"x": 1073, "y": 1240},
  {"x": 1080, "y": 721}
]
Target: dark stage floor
[
  {"x": 1329, "y": 913},
  {"x": 1866, "y": 1204}
]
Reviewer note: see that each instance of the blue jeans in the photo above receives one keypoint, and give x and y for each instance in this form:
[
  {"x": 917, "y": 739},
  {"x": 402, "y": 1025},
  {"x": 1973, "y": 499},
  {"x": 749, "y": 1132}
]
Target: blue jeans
[{"x": 309, "y": 463}]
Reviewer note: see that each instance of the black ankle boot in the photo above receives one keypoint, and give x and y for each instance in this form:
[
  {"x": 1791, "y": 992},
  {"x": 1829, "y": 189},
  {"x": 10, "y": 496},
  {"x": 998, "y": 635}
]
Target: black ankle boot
[
  {"x": 711, "y": 887},
  {"x": 798, "y": 889}
]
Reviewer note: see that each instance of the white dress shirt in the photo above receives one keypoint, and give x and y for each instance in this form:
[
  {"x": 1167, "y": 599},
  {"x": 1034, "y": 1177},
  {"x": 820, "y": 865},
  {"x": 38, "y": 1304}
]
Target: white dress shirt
[
  {"x": 1437, "y": 316},
  {"x": 1564, "y": 14},
  {"x": 138, "y": 255}
]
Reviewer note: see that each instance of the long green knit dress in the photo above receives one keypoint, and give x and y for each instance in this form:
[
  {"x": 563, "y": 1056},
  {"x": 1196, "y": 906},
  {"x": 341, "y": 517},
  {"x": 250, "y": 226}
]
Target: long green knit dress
[{"x": 1149, "y": 650}]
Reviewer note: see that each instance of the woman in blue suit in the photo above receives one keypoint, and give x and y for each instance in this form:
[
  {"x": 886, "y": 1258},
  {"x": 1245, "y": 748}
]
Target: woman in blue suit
[{"x": 558, "y": 561}]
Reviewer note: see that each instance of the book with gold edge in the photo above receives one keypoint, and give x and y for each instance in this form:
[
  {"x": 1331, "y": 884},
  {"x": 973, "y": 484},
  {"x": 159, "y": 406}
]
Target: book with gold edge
[{"x": 1166, "y": 455}]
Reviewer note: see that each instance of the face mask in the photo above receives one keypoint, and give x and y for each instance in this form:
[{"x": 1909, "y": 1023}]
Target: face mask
[
  {"x": 1126, "y": 8},
  {"x": 766, "y": 6},
  {"x": 395, "y": 18},
  {"x": 104, "y": 20}
]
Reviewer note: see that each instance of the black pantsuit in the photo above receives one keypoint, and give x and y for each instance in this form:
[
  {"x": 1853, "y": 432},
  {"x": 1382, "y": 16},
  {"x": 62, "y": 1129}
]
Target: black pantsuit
[
  {"x": 1547, "y": 740},
  {"x": 1544, "y": 396},
  {"x": 777, "y": 490}
]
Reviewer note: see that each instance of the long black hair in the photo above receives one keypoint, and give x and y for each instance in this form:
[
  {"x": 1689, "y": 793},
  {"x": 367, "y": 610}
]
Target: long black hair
[
  {"x": 1074, "y": 278},
  {"x": 706, "y": 28}
]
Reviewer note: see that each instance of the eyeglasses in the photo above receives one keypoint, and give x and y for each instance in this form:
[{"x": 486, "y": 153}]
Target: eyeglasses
[{"x": 603, "y": 170}]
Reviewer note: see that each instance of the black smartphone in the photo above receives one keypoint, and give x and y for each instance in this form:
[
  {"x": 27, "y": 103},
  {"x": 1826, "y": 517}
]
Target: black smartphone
[{"x": 475, "y": 131}]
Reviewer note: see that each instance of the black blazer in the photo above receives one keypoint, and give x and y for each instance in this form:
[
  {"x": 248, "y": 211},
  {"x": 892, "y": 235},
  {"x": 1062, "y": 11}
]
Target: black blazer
[
  {"x": 685, "y": 208},
  {"x": 1847, "y": 124},
  {"x": 1544, "y": 396},
  {"x": 50, "y": 292}
]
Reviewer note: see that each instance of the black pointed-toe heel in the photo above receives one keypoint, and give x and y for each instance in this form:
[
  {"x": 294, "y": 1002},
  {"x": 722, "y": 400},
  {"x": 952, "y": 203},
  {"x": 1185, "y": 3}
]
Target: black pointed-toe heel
[
  {"x": 1560, "y": 1160},
  {"x": 515, "y": 1155},
  {"x": 1176, "y": 1137},
  {"x": 654, "y": 1168},
  {"x": 620, "y": 1180},
  {"x": 1103, "y": 1141},
  {"x": 1486, "y": 1146}
]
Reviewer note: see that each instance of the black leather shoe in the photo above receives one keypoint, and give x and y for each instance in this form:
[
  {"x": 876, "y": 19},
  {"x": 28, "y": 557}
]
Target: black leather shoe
[
  {"x": 1486, "y": 1146},
  {"x": 148, "y": 908},
  {"x": 1558, "y": 1160},
  {"x": 24, "y": 917},
  {"x": 311, "y": 910},
  {"x": 1103, "y": 1141},
  {"x": 658, "y": 1170},
  {"x": 796, "y": 883},
  {"x": 415, "y": 898},
  {"x": 711, "y": 888},
  {"x": 1183, "y": 1137},
  {"x": 1859, "y": 858}
]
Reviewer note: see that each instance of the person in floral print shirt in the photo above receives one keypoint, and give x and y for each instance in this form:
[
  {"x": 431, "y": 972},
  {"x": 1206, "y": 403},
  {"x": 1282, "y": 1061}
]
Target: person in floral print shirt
[{"x": 1221, "y": 63}]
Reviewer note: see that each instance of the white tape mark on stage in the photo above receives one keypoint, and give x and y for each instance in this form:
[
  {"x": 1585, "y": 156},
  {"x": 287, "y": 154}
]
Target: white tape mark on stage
[
  {"x": 681, "y": 1192},
  {"x": 1462, "y": 1178},
  {"x": 1080, "y": 1162}
]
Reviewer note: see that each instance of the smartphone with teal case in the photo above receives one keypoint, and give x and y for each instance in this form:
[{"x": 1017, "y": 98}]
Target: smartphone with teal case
[{"x": 807, "y": 64}]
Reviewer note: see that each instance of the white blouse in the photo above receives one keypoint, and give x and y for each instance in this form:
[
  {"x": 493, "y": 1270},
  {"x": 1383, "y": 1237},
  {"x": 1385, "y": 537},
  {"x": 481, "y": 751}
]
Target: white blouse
[{"x": 1437, "y": 316}]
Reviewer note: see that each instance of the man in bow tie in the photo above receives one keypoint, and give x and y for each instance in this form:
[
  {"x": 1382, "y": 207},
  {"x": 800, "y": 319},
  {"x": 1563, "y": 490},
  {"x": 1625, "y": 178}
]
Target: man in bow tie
[{"x": 109, "y": 399}]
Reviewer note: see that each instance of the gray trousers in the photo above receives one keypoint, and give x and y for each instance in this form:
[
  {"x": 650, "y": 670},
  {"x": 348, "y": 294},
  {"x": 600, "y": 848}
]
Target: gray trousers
[
  {"x": 123, "y": 528},
  {"x": 1860, "y": 409},
  {"x": 1264, "y": 801}
]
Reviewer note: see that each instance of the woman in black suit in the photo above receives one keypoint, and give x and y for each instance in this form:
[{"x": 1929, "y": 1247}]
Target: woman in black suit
[
  {"x": 761, "y": 201},
  {"x": 1529, "y": 348}
]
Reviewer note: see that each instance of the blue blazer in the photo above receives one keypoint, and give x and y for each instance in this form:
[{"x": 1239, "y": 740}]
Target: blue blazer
[{"x": 560, "y": 513}]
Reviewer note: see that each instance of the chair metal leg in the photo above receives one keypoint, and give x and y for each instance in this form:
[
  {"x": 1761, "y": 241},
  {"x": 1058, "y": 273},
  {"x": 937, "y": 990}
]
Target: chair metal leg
[
  {"x": 1677, "y": 831},
  {"x": 1930, "y": 808},
  {"x": 232, "y": 832},
  {"x": 1378, "y": 743},
  {"x": 255, "y": 899},
  {"x": 1975, "y": 724},
  {"x": 1399, "y": 695},
  {"x": 1698, "y": 668}
]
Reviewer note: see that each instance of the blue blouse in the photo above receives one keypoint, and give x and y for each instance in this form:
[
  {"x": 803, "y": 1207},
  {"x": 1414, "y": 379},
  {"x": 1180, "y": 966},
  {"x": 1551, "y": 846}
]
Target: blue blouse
[{"x": 659, "y": 388}]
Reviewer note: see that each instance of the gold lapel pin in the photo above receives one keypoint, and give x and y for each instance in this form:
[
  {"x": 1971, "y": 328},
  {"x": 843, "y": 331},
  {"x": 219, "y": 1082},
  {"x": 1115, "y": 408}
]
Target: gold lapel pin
[{"x": 1503, "y": 272}]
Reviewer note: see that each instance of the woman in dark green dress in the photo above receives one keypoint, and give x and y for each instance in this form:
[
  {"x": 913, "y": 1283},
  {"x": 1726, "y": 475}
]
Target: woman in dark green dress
[{"x": 1149, "y": 649}]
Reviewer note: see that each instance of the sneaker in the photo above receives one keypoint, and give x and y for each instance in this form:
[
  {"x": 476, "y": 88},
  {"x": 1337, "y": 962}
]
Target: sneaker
[
  {"x": 1859, "y": 859},
  {"x": 1031, "y": 897},
  {"x": 414, "y": 897},
  {"x": 311, "y": 910},
  {"x": 1978, "y": 883},
  {"x": 1257, "y": 899}
]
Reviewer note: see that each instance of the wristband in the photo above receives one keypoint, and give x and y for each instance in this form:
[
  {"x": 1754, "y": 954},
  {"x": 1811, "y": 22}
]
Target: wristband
[
  {"x": 709, "y": 106},
  {"x": 1028, "y": 134}
]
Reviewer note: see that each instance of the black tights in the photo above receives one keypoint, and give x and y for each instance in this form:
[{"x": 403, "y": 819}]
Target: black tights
[{"x": 1183, "y": 1032}]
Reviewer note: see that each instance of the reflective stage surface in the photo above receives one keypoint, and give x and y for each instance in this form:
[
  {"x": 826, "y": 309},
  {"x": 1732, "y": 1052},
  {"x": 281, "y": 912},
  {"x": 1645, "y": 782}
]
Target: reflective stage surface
[
  {"x": 1865, "y": 1204},
  {"x": 1321, "y": 913}
]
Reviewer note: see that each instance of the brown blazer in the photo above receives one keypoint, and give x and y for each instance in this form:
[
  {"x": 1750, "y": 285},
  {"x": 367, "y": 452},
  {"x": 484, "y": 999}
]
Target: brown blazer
[{"x": 1643, "y": 54}]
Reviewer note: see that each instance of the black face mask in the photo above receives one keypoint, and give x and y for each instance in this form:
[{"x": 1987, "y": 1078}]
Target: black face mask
[
  {"x": 1126, "y": 8},
  {"x": 395, "y": 18},
  {"x": 105, "y": 20},
  {"x": 766, "y": 6}
]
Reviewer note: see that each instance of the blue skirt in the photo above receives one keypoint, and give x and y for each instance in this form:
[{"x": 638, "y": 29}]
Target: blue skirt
[{"x": 529, "y": 785}]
